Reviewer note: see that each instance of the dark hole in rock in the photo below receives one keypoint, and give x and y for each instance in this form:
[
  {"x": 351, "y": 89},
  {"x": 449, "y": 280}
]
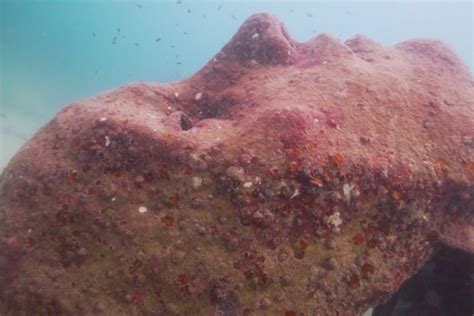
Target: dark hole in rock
[
  {"x": 442, "y": 287},
  {"x": 186, "y": 123}
]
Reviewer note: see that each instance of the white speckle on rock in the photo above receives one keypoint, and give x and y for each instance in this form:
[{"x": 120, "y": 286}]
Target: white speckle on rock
[
  {"x": 335, "y": 219},
  {"x": 255, "y": 36},
  {"x": 198, "y": 96},
  {"x": 176, "y": 94},
  {"x": 107, "y": 141},
  {"x": 347, "y": 188},
  {"x": 113, "y": 199},
  {"x": 295, "y": 194},
  {"x": 248, "y": 184},
  {"x": 103, "y": 119},
  {"x": 142, "y": 209},
  {"x": 197, "y": 182}
]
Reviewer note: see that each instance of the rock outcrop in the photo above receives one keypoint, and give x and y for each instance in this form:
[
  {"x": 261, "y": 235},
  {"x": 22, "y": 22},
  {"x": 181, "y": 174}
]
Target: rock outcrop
[{"x": 283, "y": 178}]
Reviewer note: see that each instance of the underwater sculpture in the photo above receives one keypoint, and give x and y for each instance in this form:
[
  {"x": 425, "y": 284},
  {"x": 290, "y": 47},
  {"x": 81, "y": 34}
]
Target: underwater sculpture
[{"x": 283, "y": 178}]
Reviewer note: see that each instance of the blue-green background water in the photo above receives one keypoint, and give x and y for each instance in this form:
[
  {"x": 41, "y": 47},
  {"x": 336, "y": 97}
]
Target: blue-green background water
[{"x": 54, "y": 52}]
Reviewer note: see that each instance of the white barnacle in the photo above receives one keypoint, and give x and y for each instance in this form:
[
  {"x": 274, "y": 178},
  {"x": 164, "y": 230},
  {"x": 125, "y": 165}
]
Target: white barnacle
[
  {"x": 198, "y": 96},
  {"x": 103, "y": 119},
  {"x": 295, "y": 194},
  {"x": 142, "y": 209},
  {"x": 255, "y": 36},
  {"x": 248, "y": 184},
  {"x": 335, "y": 219},
  {"x": 107, "y": 141},
  {"x": 196, "y": 182},
  {"x": 347, "y": 188}
]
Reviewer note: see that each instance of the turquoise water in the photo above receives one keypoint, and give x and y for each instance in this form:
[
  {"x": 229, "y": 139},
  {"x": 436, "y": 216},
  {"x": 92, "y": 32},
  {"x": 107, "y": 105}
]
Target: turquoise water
[{"x": 54, "y": 52}]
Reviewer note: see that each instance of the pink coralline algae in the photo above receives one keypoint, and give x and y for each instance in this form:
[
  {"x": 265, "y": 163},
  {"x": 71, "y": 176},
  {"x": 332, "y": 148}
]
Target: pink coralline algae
[{"x": 283, "y": 178}]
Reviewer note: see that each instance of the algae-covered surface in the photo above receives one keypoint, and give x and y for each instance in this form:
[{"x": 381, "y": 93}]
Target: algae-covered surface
[{"x": 283, "y": 178}]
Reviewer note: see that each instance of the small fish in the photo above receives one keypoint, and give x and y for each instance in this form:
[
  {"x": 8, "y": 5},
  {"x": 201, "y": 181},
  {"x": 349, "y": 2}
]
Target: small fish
[
  {"x": 309, "y": 15},
  {"x": 158, "y": 39},
  {"x": 185, "y": 33},
  {"x": 189, "y": 11},
  {"x": 118, "y": 29},
  {"x": 233, "y": 17},
  {"x": 219, "y": 7},
  {"x": 172, "y": 46},
  {"x": 178, "y": 63},
  {"x": 114, "y": 41},
  {"x": 139, "y": 5},
  {"x": 179, "y": 1},
  {"x": 136, "y": 44},
  {"x": 93, "y": 34}
]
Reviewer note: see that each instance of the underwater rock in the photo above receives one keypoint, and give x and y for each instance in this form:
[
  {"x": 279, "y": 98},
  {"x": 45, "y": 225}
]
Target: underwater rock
[{"x": 206, "y": 195}]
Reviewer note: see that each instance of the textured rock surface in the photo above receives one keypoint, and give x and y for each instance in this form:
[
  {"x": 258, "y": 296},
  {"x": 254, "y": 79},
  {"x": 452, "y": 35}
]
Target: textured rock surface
[{"x": 283, "y": 178}]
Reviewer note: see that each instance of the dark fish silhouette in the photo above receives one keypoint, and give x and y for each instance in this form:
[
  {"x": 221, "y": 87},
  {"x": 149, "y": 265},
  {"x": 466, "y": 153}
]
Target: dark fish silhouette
[
  {"x": 93, "y": 34},
  {"x": 139, "y": 5},
  {"x": 219, "y": 7},
  {"x": 158, "y": 39},
  {"x": 118, "y": 29},
  {"x": 136, "y": 44}
]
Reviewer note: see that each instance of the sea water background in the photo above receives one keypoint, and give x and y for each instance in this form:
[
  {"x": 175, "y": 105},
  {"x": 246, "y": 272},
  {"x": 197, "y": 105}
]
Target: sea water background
[{"x": 55, "y": 52}]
